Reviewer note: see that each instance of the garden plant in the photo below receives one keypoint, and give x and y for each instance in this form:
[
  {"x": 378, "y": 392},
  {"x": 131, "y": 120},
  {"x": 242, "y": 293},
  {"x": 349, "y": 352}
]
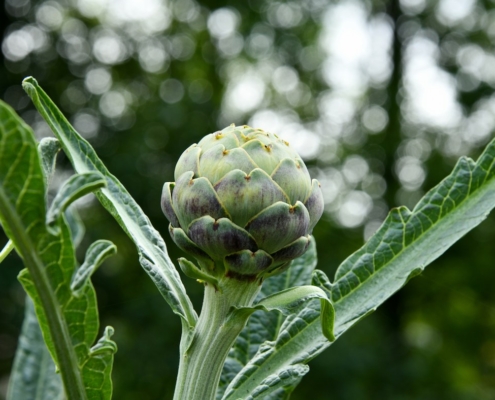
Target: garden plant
[{"x": 244, "y": 207}]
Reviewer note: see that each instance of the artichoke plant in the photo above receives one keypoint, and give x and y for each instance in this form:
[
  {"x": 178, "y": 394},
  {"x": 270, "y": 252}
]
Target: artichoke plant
[{"x": 243, "y": 203}]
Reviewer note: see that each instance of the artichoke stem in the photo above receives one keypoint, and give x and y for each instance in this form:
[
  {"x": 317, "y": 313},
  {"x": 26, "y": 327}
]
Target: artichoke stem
[{"x": 202, "y": 361}]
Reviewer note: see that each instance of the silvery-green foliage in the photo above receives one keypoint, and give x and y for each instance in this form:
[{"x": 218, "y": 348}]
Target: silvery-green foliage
[{"x": 404, "y": 245}]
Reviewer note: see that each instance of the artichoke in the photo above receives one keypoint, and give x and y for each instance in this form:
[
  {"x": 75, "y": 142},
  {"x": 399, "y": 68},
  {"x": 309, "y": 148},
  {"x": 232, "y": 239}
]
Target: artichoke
[{"x": 243, "y": 203}]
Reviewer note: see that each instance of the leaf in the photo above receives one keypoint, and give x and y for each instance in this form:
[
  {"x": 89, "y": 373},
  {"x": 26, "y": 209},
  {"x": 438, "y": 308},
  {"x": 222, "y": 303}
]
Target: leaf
[
  {"x": 69, "y": 324},
  {"x": 48, "y": 148},
  {"x": 192, "y": 271},
  {"x": 21, "y": 179},
  {"x": 404, "y": 245},
  {"x": 76, "y": 226},
  {"x": 267, "y": 370},
  {"x": 95, "y": 255},
  {"x": 74, "y": 188},
  {"x": 97, "y": 368},
  {"x": 153, "y": 254},
  {"x": 263, "y": 326},
  {"x": 79, "y": 310},
  {"x": 33, "y": 375},
  {"x": 289, "y": 300},
  {"x": 289, "y": 377}
]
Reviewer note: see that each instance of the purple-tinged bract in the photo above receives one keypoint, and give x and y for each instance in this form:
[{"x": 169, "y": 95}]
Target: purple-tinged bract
[{"x": 243, "y": 203}]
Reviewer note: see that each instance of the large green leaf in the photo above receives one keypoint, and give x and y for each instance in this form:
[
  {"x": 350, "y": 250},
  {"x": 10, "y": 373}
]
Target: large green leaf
[
  {"x": 78, "y": 303},
  {"x": 404, "y": 245},
  {"x": 263, "y": 326},
  {"x": 117, "y": 200},
  {"x": 21, "y": 179},
  {"x": 68, "y": 319},
  {"x": 33, "y": 375}
]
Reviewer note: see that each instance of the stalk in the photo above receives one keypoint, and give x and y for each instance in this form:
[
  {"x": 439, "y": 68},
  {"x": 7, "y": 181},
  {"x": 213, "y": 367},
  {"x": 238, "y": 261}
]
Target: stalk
[{"x": 216, "y": 331}]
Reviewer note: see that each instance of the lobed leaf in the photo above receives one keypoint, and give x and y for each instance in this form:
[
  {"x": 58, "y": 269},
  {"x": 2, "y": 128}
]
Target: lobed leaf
[
  {"x": 69, "y": 323},
  {"x": 404, "y": 245},
  {"x": 116, "y": 199},
  {"x": 78, "y": 306}
]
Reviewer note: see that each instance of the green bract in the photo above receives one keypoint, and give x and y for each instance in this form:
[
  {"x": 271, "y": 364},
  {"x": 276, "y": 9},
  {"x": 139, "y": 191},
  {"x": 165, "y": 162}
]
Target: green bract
[{"x": 243, "y": 203}]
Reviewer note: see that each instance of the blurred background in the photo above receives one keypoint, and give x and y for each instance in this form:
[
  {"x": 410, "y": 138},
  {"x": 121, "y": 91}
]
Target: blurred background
[{"x": 380, "y": 98}]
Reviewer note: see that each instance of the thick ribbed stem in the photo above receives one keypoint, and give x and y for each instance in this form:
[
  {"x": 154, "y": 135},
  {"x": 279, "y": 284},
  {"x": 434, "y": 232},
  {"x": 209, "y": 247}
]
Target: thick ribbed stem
[{"x": 217, "y": 328}]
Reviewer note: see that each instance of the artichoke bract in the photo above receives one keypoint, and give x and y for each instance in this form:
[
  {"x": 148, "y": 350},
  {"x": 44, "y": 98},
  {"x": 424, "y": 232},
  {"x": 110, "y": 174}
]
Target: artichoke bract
[{"x": 243, "y": 203}]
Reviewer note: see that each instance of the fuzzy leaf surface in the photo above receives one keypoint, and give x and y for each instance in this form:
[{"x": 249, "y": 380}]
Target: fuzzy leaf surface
[
  {"x": 116, "y": 199},
  {"x": 404, "y": 245}
]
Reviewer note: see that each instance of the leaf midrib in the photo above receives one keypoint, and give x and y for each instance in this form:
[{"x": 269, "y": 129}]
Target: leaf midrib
[{"x": 471, "y": 198}]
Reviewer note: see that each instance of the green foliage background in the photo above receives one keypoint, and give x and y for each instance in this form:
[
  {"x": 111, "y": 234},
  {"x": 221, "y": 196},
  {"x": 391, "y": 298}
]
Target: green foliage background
[{"x": 433, "y": 340}]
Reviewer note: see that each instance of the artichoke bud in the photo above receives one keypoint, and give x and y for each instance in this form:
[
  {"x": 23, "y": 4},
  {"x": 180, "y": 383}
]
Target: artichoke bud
[{"x": 243, "y": 203}]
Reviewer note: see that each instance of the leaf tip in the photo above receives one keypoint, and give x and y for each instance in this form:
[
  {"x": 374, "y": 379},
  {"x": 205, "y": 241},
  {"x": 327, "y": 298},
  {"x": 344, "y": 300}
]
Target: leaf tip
[
  {"x": 29, "y": 85},
  {"x": 327, "y": 319},
  {"x": 52, "y": 225},
  {"x": 105, "y": 344},
  {"x": 30, "y": 79},
  {"x": 109, "y": 331},
  {"x": 112, "y": 250}
]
